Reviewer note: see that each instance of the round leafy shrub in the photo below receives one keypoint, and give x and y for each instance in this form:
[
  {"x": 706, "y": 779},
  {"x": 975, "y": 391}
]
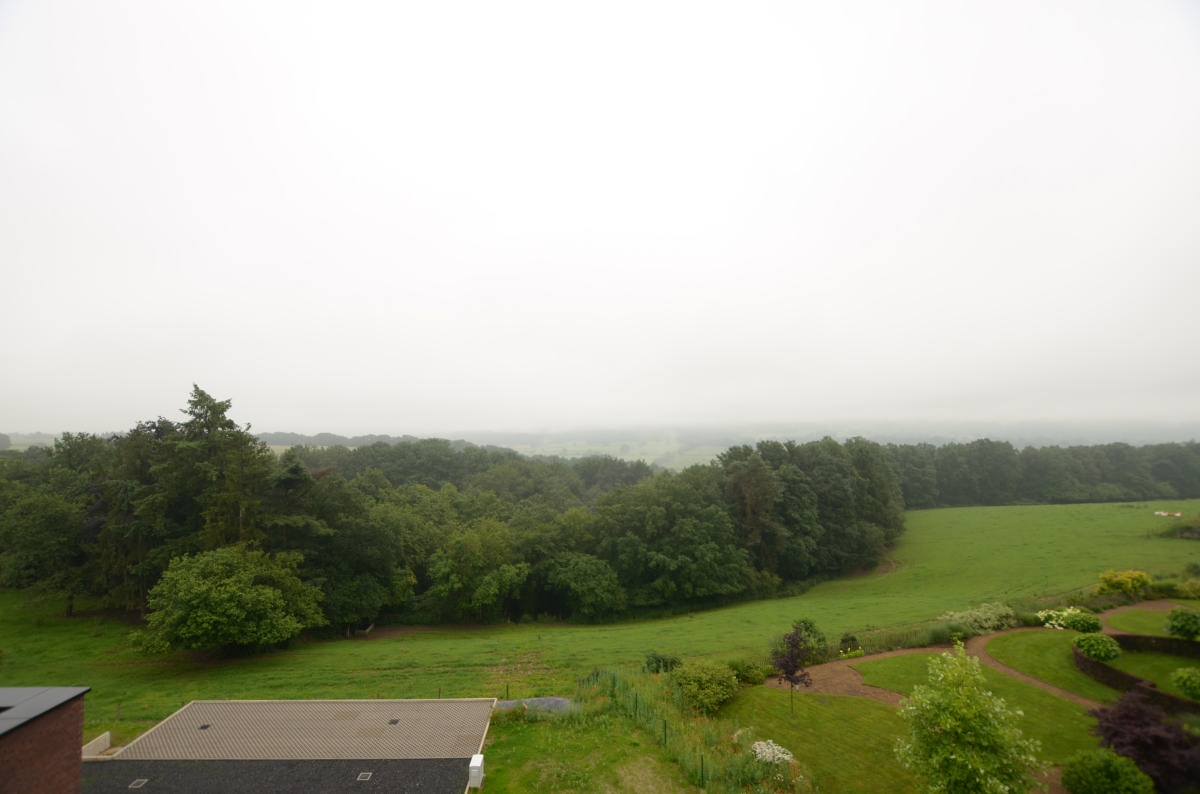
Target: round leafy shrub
[
  {"x": 1099, "y": 647},
  {"x": 1188, "y": 681},
  {"x": 1183, "y": 623},
  {"x": 1104, "y": 772},
  {"x": 1084, "y": 623},
  {"x": 705, "y": 685},
  {"x": 750, "y": 671},
  {"x": 1189, "y": 588}
]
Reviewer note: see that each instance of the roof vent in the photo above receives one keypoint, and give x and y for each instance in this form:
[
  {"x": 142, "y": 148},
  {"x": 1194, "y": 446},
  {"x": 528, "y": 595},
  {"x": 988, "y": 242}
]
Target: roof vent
[
  {"x": 393, "y": 722},
  {"x": 364, "y": 775},
  {"x": 205, "y": 727},
  {"x": 141, "y": 781}
]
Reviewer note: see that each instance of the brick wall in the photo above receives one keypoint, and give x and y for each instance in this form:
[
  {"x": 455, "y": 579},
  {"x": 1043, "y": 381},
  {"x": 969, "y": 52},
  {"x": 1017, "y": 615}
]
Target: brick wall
[{"x": 44, "y": 754}]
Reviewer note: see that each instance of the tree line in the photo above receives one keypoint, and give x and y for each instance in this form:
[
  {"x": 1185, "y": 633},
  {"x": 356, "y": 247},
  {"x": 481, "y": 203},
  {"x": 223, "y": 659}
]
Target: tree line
[
  {"x": 199, "y": 511},
  {"x": 987, "y": 472},
  {"x": 428, "y": 530}
]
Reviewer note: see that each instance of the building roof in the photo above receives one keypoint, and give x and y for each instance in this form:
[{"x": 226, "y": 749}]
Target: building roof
[
  {"x": 252, "y": 730},
  {"x": 20, "y": 704},
  {"x": 427, "y": 776},
  {"x": 302, "y": 745}
]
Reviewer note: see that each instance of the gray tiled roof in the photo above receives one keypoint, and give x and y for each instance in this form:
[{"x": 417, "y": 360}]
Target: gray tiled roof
[{"x": 317, "y": 729}]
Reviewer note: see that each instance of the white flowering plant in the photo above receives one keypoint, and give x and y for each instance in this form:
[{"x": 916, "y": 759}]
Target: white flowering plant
[
  {"x": 771, "y": 753},
  {"x": 1072, "y": 618}
]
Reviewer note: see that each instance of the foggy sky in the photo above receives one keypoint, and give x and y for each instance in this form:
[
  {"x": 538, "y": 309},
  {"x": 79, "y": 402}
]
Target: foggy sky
[{"x": 414, "y": 217}]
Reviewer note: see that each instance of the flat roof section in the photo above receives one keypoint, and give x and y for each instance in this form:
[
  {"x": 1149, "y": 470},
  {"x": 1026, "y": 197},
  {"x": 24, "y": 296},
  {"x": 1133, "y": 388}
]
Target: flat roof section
[
  {"x": 250, "y": 730},
  {"x": 429, "y": 776},
  {"x": 20, "y": 704}
]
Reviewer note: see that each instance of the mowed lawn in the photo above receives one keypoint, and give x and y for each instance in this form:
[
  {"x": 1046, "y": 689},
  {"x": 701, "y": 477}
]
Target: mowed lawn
[
  {"x": 948, "y": 560},
  {"x": 1060, "y": 726}
]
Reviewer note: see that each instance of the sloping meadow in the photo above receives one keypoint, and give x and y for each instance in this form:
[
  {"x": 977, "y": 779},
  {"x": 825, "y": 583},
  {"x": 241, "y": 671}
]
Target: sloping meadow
[{"x": 948, "y": 559}]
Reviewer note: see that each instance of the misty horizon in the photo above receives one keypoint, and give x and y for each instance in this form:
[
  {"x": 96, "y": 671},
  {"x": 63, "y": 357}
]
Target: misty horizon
[{"x": 416, "y": 219}]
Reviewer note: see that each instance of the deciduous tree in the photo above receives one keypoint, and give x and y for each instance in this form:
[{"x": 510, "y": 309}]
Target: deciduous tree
[
  {"x": 801, "y": 647},
  {"x": 230, "y": 597},
  {"x": 963, "y": 738}
]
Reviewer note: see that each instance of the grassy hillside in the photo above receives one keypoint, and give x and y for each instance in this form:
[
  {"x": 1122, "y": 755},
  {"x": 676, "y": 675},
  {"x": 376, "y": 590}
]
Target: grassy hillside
[{"x": 948, "y": 560}]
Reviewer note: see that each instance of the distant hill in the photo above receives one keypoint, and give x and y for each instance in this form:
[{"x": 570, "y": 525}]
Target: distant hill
[
  {"x": 328, "y": 440},
  {"x": 677, "y": 448}
]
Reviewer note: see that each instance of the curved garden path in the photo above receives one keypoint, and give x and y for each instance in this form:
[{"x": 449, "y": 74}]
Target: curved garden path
[{"x": 840, "y": 678}]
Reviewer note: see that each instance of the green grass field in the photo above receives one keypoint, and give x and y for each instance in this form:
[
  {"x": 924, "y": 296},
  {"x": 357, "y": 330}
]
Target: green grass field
[{"x": 948, "y": 560}]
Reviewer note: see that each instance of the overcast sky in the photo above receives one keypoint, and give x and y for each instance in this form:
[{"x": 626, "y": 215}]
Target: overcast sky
[{"x": 432, "y": 217}]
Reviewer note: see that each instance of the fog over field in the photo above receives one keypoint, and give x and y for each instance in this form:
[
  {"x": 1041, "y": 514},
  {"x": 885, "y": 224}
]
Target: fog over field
[{"x": 450, "y": 218}]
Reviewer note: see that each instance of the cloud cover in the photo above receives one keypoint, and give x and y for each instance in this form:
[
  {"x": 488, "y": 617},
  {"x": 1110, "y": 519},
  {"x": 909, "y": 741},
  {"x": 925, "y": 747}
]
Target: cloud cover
[{"x": 377, "y": 217}]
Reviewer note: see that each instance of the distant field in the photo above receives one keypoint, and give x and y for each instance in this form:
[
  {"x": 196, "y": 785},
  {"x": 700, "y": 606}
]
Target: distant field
[{"x": 948, "y": 560}]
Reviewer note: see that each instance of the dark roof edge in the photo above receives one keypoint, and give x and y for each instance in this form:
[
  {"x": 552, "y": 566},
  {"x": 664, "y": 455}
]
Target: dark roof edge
[{"x": 20, "y": 704}]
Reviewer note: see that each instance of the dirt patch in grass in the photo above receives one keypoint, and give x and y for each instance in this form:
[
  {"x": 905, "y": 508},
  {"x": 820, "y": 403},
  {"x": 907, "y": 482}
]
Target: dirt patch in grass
[{"x": 839, "y": 678}]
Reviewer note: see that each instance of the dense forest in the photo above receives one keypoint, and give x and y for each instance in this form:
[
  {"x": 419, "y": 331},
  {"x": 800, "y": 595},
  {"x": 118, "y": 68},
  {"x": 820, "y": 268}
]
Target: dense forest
[{"x": 428, "y": 531}]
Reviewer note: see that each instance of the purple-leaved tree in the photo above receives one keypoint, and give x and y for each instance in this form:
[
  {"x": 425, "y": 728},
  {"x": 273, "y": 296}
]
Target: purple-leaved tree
[{"x": 801, "y": 647}]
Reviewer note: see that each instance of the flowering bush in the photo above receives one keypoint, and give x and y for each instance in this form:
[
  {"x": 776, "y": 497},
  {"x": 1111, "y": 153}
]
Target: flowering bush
[
  {"x": 851, "y": 653},
  {"x": 983, "y": 618},
  {"x": 1072, "y": 618},
  {"x": 1129, "y": 583},
  {"x": 771, "y": 753}
]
